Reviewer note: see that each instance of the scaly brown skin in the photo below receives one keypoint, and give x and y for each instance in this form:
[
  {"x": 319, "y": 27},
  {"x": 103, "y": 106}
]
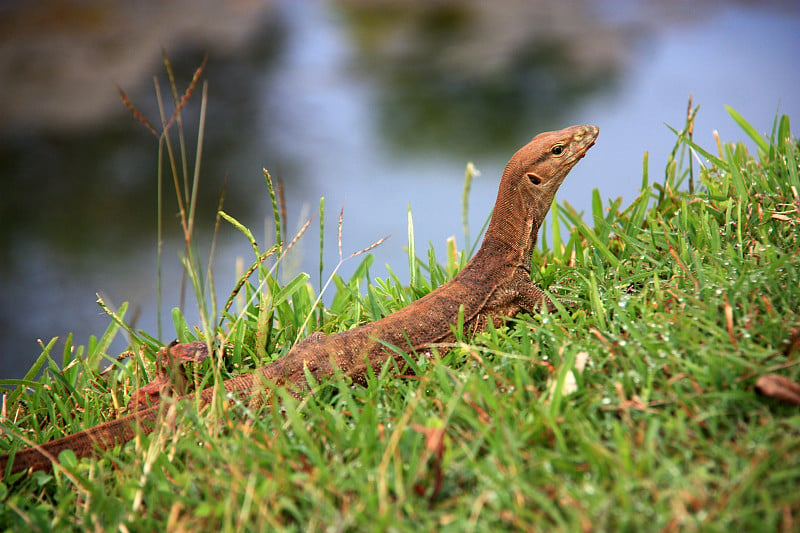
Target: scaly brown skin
[{"x": 495, "y": 283}]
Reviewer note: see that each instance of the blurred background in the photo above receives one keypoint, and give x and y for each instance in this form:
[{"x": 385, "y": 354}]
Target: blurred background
[{"x": 375, "y": 105}]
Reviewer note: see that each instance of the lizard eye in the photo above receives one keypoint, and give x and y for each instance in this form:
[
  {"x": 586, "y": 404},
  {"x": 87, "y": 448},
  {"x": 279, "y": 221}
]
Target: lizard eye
[
  {"x": 557, "y": 149},
  {"x": 536, "y": 180}
]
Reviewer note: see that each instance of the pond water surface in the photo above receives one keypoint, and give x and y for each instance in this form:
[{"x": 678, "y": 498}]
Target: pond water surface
[{"x": 374, "y": 108}]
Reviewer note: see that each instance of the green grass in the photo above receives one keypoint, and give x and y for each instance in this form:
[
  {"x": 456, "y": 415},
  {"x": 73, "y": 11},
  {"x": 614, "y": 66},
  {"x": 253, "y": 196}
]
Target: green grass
[{"x": 681, "y": 300}]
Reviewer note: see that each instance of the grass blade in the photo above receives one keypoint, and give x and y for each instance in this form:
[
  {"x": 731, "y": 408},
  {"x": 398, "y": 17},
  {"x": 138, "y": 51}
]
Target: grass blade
[{"x": 751, "y": 132}]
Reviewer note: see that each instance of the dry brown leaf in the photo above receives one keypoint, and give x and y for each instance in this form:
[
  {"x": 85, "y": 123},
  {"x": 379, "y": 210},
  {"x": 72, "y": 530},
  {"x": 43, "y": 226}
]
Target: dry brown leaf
[{"x": 778, "y": 387}]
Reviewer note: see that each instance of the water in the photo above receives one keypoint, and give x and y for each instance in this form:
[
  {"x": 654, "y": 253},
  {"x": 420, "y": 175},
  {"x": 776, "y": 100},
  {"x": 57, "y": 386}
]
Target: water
[{"x": 374, "y": 108}]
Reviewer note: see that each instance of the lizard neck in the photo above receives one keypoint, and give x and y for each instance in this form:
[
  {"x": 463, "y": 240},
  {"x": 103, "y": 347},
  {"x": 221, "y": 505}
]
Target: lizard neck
[{"x": 516, "y": 219}]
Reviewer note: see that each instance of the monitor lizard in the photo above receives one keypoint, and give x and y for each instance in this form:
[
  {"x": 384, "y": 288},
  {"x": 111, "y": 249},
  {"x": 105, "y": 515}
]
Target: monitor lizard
[{"x": 496, "y": 283}]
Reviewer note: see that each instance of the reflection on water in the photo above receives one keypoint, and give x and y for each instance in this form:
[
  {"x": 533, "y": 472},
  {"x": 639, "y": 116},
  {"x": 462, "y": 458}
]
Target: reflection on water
[
  {"x": 460, "y": 75},
  {"x": 376, "y": 105}
]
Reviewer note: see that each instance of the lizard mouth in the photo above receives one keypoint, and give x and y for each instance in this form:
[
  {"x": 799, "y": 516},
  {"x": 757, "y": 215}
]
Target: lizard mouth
[{"x": 593, "y": 131}]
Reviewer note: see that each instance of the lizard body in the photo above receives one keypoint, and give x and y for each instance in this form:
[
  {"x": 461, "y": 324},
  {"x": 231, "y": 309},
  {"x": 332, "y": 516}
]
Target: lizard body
[{"x": 495, "y": 283}]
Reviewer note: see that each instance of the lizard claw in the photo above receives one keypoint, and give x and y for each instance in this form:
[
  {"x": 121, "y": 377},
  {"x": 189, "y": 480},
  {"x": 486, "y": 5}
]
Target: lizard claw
[{"x": 570, "y": 305}]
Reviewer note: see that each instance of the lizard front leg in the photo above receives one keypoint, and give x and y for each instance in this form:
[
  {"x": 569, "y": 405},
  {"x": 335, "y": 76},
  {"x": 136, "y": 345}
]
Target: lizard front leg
[
  {"x": 531, "y": 298},
  {"x": 519, "y": 294},
  {"x": 527, "y": 296}
]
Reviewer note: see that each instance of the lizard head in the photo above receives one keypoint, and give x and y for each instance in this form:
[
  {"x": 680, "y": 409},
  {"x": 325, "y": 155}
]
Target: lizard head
[{"x": 529, "y": 184}]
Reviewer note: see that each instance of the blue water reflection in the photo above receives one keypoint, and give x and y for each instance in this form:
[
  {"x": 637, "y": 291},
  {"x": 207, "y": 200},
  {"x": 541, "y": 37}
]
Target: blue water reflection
[{"x": 374, "y": 108}]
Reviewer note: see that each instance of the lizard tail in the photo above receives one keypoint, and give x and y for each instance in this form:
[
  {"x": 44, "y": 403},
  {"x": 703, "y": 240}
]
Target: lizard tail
[{"x": 84, "y": 443}]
